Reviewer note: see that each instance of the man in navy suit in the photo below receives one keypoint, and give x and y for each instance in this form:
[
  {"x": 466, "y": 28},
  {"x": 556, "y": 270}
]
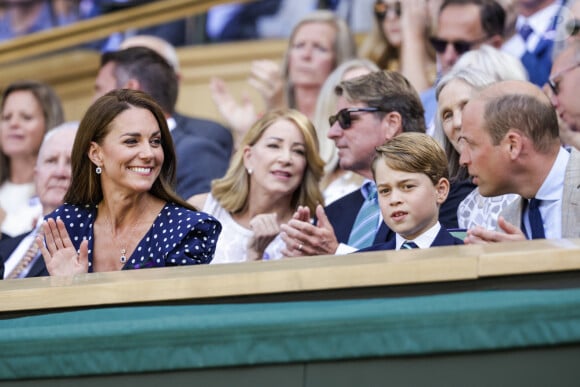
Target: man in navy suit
[
  {"x": 372, "y": 109},
  {"x": 195, "y": 126},
  {"x": 52, "y": 179},
  {"x": 200, "y": 157}
]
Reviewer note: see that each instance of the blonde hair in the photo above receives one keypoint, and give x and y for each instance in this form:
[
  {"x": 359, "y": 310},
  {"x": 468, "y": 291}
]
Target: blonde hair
[
  {"x": 344, "y": 47},
  {"x": 233, "y": 189}
]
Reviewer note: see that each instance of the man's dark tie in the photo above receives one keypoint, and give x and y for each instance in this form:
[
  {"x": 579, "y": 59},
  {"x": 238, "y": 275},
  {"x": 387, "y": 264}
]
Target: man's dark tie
[
  {"x": 535, "y": 218},
  {"x": 409, "y": 245},
  {"x": 525, "y": 32}
]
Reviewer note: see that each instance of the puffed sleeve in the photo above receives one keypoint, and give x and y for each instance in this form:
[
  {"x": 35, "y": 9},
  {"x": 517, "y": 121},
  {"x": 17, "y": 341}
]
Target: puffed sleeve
[{"x": 197, "y": 242}]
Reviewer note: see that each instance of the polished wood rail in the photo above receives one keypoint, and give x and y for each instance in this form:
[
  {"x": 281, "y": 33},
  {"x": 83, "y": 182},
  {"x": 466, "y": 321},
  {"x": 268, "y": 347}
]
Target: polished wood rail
[{"x": 208, "y": 283}]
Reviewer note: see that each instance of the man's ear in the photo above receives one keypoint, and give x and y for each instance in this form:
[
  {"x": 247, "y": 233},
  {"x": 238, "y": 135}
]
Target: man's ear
[
  {"x": 513, "y": 143},
  {"x": 495, "y": 41},
  {"x": 95, "y": 154},
  {"x": 442, "y": 190},
  {"x": 392, "y": 125},
  {"x": 132, "y": 84}
]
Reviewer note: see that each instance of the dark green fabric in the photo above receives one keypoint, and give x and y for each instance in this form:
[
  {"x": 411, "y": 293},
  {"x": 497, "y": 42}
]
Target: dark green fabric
[{"x": 157, "y": 338}]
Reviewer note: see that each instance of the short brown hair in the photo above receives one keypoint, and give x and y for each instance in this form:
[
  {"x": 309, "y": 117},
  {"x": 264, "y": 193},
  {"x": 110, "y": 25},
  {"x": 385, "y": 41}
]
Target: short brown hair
[
  {"x": 414, "y": 153},
  {"x": 389, "y": 91},
  {"x": 536, "y": 119}
]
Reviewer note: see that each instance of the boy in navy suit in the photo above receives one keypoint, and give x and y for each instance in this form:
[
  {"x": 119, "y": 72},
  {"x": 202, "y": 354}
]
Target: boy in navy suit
[{"x": 411, "y": 176}]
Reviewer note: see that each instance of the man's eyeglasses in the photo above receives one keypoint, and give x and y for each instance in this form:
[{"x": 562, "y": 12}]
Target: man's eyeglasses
[
  {"x": 573, "y": 27},
  {"x": 460, "y": 46},
  {"x": 554, "y": 82},
  {"x": 381, "y": 9},
  {"x": 343, "y": 116}
]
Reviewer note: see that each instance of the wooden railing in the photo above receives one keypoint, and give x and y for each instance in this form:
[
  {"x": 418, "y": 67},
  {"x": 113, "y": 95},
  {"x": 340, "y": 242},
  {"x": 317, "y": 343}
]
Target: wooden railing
[{"x": 295, "y": 278}]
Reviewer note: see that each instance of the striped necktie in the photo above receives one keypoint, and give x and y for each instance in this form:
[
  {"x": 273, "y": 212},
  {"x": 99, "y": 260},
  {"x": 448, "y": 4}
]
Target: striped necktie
[
  {"x": 26, "y": 259},
  {"x": 365, "y": 225},
  {"x": 409, "y": 245}
]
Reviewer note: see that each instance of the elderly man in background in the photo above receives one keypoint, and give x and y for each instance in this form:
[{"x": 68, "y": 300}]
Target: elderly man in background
[{"x": 19, "y": 256}]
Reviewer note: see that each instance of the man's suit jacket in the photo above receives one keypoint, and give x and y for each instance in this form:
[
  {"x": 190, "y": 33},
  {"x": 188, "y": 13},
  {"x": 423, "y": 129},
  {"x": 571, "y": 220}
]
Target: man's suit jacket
[
  {"x": 342, "y": 214},
  {"x": 207, "y": 129},
  {"x": 443, "y": 238},
  {"x": 199, "y": 161},
  {"x": 8, "y": 245},
  {"x": 570, "y": 201}
]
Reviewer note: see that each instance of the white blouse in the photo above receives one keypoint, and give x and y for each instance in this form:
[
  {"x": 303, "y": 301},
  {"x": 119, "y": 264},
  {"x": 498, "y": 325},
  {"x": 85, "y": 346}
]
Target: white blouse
[
  {"x": 232, "y": 244},
  {"x": 21, "y": 206}
]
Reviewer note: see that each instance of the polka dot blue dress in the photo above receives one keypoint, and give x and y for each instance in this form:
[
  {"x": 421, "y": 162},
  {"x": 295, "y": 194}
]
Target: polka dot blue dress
[{"x": 178, "y": 236}]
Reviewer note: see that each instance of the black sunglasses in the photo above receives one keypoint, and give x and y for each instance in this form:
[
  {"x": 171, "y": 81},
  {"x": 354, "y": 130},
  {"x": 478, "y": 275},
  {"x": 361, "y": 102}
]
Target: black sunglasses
[
  {"x": 343, "y": 116},
  {"x": 460, "y": 46},
  {"x": 381, "y": 9}
]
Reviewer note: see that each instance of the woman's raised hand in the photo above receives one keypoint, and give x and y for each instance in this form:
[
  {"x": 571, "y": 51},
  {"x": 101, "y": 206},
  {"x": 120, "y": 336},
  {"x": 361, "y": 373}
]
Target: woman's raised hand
[{"x": 60, "y": 255}]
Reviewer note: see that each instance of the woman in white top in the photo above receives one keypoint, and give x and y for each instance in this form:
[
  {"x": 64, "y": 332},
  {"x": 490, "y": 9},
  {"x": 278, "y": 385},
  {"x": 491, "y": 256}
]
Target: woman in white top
[
  {"x": 29, "y": 109},
  {"x": 276, "y": 169}
]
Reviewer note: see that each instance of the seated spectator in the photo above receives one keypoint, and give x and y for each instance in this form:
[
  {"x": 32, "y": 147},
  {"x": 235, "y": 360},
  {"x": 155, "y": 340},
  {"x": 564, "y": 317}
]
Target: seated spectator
[
  {"x": 319, "y": 42},
  {"x": 462, "y": 25},
  {"x": 564, "y": 84},
  {"x": 29, "y": 109},
  {"x": 371, "y": 109},
  {"x": 21, "y": 255},
  {"x": 410, "y": 172},
  {"x": 141, "y": 68},
  {"x": 197, "y": 127},
  {"x": 336, "y": 182},
  {"x": 126, "y": 214},
  {"x": 275, "y": 170},
  {"x": 473, "y": 71},
  {"x": 510, "y": 144},
  {"x": 23, "y": 17},
  {"x": 536, "y": 25},
  {"x": 399, "y": 40}
]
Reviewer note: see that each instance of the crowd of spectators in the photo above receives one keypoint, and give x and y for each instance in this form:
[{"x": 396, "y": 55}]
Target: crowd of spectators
[{"x": 331, "y": 164}]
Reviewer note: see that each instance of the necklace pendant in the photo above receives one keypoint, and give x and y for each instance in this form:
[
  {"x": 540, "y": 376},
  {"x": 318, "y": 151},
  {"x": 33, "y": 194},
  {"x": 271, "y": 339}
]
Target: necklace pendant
[{"x": 123, "y": 258}]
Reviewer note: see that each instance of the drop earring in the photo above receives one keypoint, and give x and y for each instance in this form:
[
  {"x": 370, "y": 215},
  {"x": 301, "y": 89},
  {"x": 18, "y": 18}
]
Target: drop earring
[
  {"x": 98, "y": 170},
  {"x": 250, "y": 171}
]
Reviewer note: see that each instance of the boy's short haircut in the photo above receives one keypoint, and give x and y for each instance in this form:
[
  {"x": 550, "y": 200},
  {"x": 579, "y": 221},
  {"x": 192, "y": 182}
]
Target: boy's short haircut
[{"x": 413, "y": 153}]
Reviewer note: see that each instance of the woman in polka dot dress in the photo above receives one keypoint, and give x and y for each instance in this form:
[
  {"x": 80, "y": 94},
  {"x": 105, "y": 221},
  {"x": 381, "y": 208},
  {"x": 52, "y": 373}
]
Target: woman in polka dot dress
[{"x": 120, "y": 211}]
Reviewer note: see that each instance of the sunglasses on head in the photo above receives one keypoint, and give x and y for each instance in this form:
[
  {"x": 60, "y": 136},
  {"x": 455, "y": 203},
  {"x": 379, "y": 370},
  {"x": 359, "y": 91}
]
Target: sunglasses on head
[
  {"x": 460, "y": 46},
  {"x": 343, "y": 116},
  {"x": 381, "y": 9}
]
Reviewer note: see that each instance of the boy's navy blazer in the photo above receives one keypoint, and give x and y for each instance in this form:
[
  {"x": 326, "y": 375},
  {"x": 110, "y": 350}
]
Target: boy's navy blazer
[
  {"x": 342, "y": 214},
  {"x": 443, "y": 238}
]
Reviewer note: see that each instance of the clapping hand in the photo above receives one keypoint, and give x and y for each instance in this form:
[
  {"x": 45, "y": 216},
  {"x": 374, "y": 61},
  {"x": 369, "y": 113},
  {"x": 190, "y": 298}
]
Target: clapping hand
[
  {"x": 304, "y": 238},
  {"x": 239, "y": 116},
  {"x": 265, "y": 228},
  {"x": 266, "y": 78},
  {"x": 60, "y": 255}
]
